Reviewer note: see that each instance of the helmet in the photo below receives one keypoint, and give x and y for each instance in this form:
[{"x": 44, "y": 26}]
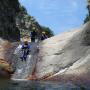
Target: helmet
[{"x": 25, "y": 42}]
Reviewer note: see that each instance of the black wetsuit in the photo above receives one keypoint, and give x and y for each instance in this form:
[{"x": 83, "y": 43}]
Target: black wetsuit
[
  {"x": 25, "y": 51},
  {"x": 33, "y": 36}
]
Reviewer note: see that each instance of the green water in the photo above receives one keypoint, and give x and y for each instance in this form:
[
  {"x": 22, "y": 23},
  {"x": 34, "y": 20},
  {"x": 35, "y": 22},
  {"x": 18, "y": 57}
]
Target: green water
[{"x": 37, "y": 85}]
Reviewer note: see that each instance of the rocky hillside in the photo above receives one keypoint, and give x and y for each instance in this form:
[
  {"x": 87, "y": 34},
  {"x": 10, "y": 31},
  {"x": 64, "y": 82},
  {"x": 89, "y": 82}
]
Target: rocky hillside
[
  {"x": 8, "y": 11},
  {"x": 27, "y": 23}
]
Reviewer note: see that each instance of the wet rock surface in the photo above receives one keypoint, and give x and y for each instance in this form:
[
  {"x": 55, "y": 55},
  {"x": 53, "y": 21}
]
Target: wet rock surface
[
  {"x": 5, "y": 70},
  {"x": 7, "y": 58},
  {"x": 26, "y": 69}
]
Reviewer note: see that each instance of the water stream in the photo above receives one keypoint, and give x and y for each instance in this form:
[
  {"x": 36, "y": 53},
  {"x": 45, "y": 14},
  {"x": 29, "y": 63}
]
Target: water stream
[
  {"x": 23, "y": 69},
  {"x": 37, "y": 85}
]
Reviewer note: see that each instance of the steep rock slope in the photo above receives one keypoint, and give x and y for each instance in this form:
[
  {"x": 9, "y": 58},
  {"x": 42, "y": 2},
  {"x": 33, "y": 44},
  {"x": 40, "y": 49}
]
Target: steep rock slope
[
  {"x": 7, "y": 58},
  {"x": 66, "y": 56}
]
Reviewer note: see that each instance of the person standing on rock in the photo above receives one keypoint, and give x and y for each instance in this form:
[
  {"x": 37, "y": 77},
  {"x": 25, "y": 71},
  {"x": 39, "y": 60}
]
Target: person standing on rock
[
  {"x": 33, "y": 35},
  {"x": 25, "y": 50}
]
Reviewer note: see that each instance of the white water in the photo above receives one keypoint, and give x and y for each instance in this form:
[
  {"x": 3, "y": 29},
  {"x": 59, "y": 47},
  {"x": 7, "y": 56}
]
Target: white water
[{"x": 23, "y": 69}]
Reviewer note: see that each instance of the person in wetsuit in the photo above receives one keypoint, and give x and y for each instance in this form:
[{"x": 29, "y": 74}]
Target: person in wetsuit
[
  {"x": 25, "y": 50},
  {"x": 33, "y": 35}
]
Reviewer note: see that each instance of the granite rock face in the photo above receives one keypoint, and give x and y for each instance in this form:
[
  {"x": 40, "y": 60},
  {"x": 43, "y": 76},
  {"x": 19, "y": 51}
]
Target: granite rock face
[
  {"x": 7, "y": 59},
  {"x": 8, "y": 11},
  {"x": 66, "y": 56},
  {"x": 8, "y": 32},
  {"x": 5, "y": 69}
]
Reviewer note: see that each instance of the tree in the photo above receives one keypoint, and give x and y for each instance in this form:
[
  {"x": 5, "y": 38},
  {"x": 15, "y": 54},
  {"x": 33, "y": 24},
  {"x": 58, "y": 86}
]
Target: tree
[
  {"x": 22, "y": 9},
  {"x": 27, "y": 23},
  {"x": 88, "y": 15},
  {"x": 48, "y": 31},
  {"x": 87, "y": 19}
]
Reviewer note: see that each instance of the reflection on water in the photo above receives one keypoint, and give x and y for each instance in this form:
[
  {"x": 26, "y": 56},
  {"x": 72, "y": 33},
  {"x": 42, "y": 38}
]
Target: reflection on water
[{"x": 33, "y": 85}]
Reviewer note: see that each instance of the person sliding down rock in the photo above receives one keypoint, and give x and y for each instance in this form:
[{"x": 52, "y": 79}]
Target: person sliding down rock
[{"x": 25, "y": 51}]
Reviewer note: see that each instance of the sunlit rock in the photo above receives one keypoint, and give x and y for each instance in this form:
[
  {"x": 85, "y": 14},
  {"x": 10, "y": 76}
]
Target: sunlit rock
[
  {"x": 7, "y": 58},
  {"x": 66, "y": 56}
]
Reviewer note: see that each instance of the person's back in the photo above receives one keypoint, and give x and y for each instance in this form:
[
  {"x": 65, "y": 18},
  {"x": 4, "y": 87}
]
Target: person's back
[
  {"x": 33, "y": 36},
  {"x": 34, "y": 33}
]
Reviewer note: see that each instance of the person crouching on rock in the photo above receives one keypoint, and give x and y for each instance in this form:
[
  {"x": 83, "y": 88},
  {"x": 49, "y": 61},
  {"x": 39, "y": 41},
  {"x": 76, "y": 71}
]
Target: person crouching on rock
[
  {"x": 43, "y": 36},
  {"x": 25, "y": 50}
]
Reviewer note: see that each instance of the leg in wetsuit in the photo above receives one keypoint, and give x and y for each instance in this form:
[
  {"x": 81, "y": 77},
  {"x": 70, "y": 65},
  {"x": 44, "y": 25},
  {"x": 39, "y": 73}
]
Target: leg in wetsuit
[
  {"x": 26, "y": 52},
  {"x": 24, "y": 55},
  {"x": 32, "y": 39}
]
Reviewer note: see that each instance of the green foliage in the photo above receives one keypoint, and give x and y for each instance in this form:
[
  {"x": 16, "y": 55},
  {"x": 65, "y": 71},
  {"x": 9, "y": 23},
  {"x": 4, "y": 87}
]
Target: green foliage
[
  {"x": 27, "y": 23},
  {"x": 48, "y": 31},
  {"x": 22, "y": 9},
  {"x": 22, "y": 34},
  {"x": 87, "y": 19}
]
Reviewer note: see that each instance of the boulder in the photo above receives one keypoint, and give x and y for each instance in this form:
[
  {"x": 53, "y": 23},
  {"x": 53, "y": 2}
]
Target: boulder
[
  {"x": 5, "y": 69},
  {"x": 66, "y": 56},
  {"x": 7, "y": 58}
]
